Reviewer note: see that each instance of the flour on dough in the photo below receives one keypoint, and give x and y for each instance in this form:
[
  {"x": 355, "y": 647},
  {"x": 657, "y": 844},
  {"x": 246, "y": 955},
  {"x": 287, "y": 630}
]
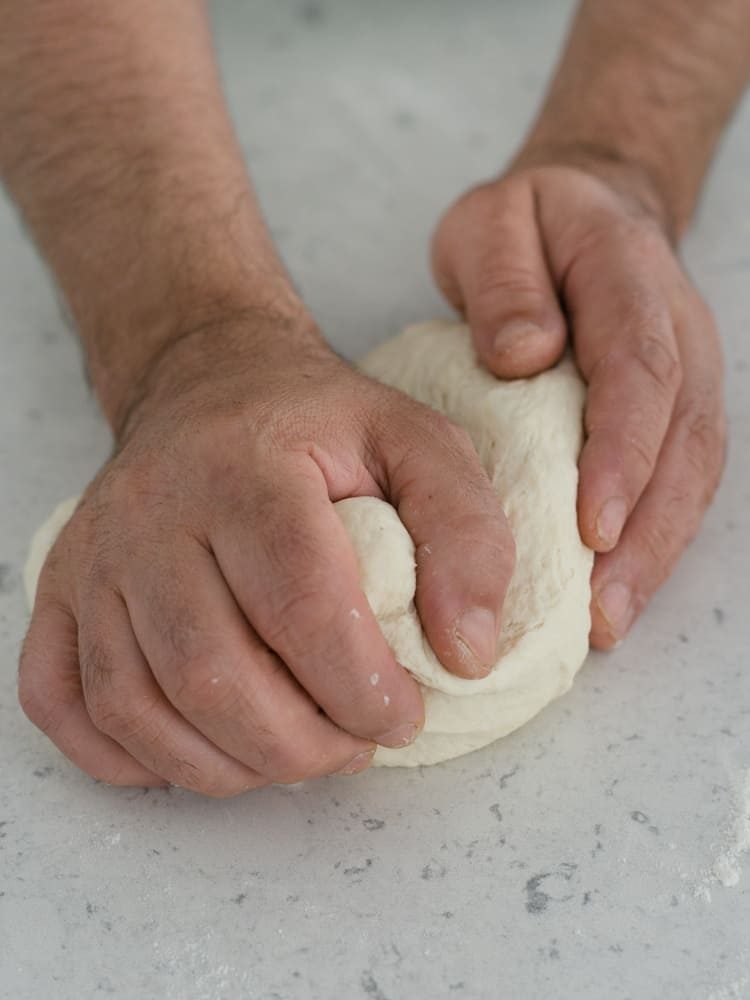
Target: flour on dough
[{"x": 528, "y": 435}]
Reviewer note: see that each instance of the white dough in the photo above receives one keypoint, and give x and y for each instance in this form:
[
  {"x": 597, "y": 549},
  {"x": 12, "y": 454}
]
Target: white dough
[{"x": 528, "y": 435}]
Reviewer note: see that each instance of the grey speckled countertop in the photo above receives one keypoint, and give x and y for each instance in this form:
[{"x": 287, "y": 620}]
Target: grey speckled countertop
[{"x": 576, "y": 858}]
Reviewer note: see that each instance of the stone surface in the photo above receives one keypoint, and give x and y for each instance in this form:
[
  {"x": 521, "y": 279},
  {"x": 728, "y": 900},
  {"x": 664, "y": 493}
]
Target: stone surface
[{"x": 575, "y": 858}]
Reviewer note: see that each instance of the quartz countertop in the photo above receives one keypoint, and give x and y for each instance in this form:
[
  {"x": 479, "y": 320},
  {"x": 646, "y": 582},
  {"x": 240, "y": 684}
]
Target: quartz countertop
[{"x": 596, "y": 853}]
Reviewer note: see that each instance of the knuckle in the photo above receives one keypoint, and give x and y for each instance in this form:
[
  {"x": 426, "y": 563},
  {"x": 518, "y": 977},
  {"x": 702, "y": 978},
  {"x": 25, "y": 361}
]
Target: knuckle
[
  {"x": 645, "y": 357},
  {"x": 28, "y": 692},
  {"x": 121, "y": 491},
  {"x": 496, "y": 278},
  {"x": 103, "y": 540},
  {"x": 109, "y": 701},
  {"x": 98, "y": 680},
  {"x": 657, "y": 538},
  {"x": 205, "y": 687},
  {"x": 647, "y": 237},
  {"x": 295, "y": 548},
  {"x": 659, "y": 362},
  {"x": 474, "y": 206},
  {"x": 705, "y": 444},
  {"x": 45, "y": 704},
  {"x": 303, "y": 609},
  {"x": 290, "y": 601},
  {"x": 642, "y": 452},
  {"x": 664, "y": 536},
  {"x": 179, "y": 627},
  {"x": 458, "y": 437},
  {"x": 38, "y": 708},
  {"x": 124, "y": 724},
  {"x": 109, "y": 717},
  {"x": 285, "y": 764},
  {"x": 45, "y": 715}
]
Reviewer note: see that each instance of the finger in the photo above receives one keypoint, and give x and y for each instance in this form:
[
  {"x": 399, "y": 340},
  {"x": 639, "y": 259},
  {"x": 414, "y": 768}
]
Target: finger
[
  {"x": 670, "y": 510},
  {"x": 627, "y": 352},
  {"x": 490, "y": 262},
  {"x": 464, "y": 549},
  {"x": 296, "y": 579},
  {"x": 125, "y": 702},
  {"x": 49, "y": 689},
  {"x": 220, "y": 677}
]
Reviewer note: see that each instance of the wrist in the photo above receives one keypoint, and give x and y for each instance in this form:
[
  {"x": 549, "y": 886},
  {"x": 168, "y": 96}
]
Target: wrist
[
  {"x": 192, "y": 267},
  {"x": 214, "y": 337},
  {"x": 642, "y": 93}
]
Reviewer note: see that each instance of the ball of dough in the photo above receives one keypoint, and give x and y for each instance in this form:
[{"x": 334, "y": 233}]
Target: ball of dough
[{"x": 528, "y": 434}]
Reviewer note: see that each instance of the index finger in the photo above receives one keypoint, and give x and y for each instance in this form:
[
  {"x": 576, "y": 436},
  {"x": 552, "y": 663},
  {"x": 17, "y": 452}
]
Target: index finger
[
  {"x": 296, "y": 578},
  {"x": 627, "y": 352}
]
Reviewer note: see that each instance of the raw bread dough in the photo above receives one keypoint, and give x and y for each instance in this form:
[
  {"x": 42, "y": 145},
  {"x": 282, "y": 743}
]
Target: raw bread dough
[{"x": 528, "y": 435}]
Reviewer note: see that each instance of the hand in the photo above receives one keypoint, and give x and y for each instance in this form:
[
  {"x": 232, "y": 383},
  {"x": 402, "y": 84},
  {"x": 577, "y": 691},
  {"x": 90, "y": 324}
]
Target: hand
[
  {"x": 552, "y": 252},
  {"x": 200, "y": 619}
]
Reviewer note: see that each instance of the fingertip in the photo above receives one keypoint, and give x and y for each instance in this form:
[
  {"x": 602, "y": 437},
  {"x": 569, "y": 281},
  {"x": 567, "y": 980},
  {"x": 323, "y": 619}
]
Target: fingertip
[
  {"x": 521, "y": 347},
  {"x": 614, "y": 607},
  {"x": 609, "y": 523},
  {"x": 601, "y": 524},
  {"x": 400, "y": 736},
  {"x": 460, "y": 605},
  {"x": 603, "y": 502},
  {"x": 118, "y": 770},
  {"x": 603, "y": 642},
  {"x": 359, "y": 763},
  {"x": 475, "y": 638}
]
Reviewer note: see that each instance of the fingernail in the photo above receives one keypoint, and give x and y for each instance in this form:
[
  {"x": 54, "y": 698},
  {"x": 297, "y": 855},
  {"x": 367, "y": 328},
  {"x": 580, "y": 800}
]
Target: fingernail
[
  {"x": 511, "y": 335},
  {"x": 401, "y": 736},
  {"x": 358, "y": 763},
  {"x": 611, "y": 519},
  {"x": 476, "y": 631},
  {"x": 615, "y": 601}
]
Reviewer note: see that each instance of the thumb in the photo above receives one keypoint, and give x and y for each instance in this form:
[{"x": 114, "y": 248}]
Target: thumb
[{"x": 489, "y": 261}]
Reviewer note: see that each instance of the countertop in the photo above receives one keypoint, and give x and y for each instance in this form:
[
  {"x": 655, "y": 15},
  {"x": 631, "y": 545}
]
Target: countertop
[{"x": 598, "y": 852}]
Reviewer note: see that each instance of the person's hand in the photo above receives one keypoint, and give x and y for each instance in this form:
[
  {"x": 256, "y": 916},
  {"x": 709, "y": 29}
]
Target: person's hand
[
  {"x": 551, "y": 252},
  {"x": 200, "y": 619}
]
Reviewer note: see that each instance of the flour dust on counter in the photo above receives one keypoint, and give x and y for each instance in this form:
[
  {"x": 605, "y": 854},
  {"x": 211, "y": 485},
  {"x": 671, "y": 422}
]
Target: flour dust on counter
[{"x": 727, "y": 868}]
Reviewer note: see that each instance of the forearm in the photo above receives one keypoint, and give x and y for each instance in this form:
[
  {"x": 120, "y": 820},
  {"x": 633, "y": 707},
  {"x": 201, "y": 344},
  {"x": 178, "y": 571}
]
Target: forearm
[
  {"x": 649, "y": 84},
  {"x": 118, "y": 149}
]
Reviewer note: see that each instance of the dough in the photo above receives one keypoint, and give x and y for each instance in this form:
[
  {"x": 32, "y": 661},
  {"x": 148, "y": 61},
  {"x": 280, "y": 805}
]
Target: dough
[{"x": 528, "y": 435}]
